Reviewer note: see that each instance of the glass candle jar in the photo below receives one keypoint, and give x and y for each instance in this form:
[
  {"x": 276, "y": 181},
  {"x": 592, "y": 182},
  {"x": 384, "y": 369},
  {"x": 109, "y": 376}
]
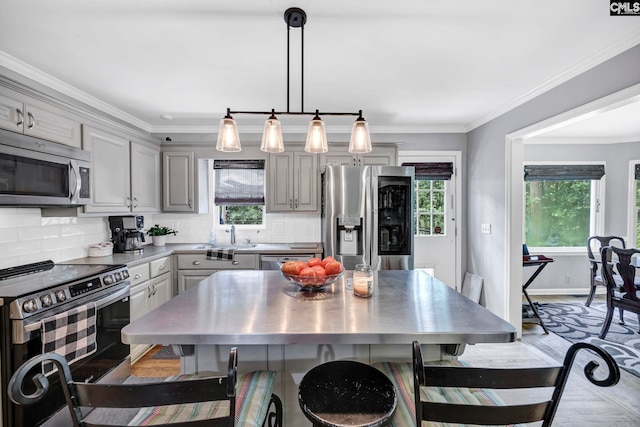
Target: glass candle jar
[{"x": 362, "y": 280}]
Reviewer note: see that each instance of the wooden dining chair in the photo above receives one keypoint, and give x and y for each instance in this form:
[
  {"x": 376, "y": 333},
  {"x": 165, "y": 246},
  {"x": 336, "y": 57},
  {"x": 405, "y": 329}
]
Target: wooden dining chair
[
  {"x": 594, "y": 243},
  {"x": 188, "y": 402},
  {"x": 435, "y": 402},
  {"x": 622, "y": 288}
]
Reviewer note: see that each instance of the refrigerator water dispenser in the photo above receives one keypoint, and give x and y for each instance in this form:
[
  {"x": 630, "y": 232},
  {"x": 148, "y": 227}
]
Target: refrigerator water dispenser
[{"x": 349, "y": 231}]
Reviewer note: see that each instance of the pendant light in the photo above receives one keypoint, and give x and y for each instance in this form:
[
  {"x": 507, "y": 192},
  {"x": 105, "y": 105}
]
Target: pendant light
[
  {"x": 272, "y": 135},
  {"x": 272, "y": 141},
  {"x": 360, "y": 141},
  {"x": 316, "y": 136},
  {"x": 228, "y": 137}
]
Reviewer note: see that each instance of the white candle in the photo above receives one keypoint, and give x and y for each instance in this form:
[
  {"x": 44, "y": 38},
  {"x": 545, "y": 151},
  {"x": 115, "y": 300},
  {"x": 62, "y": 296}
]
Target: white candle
[{"x": 362, "y": 285}]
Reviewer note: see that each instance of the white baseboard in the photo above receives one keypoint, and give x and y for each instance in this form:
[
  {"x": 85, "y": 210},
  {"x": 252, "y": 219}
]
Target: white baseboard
[{"x": 565, "y": 291}]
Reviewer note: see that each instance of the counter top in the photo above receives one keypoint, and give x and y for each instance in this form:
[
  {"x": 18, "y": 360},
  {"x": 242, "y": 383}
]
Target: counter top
[
  {"x": 261, "y": 307},
  {"x": 153, "y": 252}
]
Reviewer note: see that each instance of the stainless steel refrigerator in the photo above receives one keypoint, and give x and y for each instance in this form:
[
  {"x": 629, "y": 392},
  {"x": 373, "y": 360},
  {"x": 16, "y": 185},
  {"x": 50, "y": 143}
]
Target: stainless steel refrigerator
[{"x": 367, "y": 216}]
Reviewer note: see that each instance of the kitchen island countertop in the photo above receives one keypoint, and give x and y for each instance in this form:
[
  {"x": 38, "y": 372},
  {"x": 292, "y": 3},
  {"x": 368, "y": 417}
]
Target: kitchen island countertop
[{"x": 261, "y": 307}]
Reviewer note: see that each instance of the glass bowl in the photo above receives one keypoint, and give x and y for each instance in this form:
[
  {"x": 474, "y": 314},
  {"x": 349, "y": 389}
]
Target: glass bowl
[{"x": 309, "y": 283}]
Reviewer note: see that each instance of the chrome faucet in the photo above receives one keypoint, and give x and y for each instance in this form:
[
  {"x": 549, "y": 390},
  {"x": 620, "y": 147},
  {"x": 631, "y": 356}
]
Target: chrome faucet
[{"x": 232, "y": 230}]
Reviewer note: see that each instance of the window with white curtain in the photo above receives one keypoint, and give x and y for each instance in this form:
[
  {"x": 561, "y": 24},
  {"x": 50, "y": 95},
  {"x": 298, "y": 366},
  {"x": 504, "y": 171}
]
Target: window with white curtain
[{"x": 239, "y": 192}]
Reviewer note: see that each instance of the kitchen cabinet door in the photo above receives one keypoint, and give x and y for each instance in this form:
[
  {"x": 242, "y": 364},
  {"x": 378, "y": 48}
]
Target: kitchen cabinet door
[
  {"x": 160, "y": 291},
  {"x": 382, "y": 155},
  {"x": 110, "y": 176},
  {"x": 138, "y": 301},
  {"x": 190, "y": 278},
  {"x": 178, "y": 182},
  {"x": 145, "y": 178},
  {"x": 21, "y": 114},
  {"x": 293, "y": 182}
]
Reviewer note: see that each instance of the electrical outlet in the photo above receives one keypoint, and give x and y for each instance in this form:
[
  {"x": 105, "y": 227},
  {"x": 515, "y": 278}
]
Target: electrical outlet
[{"x": 485, "y": 229}]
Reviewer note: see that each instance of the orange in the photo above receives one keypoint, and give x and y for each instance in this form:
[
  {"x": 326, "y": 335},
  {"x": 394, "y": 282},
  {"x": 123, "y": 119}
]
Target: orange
[
  {"x": 333, "y": 267},
  {"x": 319, "y": 270},
  {"x": 314, "y": 261},
  {"x": 327, "y": 260}
]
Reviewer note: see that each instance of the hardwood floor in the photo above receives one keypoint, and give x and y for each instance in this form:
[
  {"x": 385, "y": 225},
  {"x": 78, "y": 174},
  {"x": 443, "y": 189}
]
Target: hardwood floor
[{"x": 582, "y": 404}]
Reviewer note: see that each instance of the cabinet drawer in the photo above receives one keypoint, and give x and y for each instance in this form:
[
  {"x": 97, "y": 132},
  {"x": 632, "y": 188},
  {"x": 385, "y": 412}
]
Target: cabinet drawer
[
  {"x": 139, "y": 274},
  {"x": 200, "y": 262},
  {"x": 160, "y": 266}
]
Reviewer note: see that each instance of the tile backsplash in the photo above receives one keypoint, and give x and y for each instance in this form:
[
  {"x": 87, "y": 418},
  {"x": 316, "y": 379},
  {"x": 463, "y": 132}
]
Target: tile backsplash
[{"x": 26, "y": 236}]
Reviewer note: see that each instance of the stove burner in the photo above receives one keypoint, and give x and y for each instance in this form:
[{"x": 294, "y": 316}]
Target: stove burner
[{"x": 22, "y": 270}]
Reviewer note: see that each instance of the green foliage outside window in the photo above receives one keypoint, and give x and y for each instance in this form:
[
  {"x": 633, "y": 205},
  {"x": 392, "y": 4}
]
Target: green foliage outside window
[
  {"x": 557, "y": 213},
  {"x": 429, "y": 207},
  {"x": 241, "y": 215}
]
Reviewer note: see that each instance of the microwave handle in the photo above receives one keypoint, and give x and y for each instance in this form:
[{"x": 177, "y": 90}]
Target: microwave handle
[{"x": 77, "y": 185}]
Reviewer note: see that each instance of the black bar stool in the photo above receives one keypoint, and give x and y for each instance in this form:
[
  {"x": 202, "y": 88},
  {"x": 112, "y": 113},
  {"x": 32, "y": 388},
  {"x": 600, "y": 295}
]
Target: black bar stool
[{"x": 347, "y": 393}]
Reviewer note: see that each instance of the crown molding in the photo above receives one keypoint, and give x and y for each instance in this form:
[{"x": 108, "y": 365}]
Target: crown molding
[
  {"x": 583, "y": 140},
  {"x": 453, "y": 128},
  {"x": 598, "y": 58},
  {"x": 51, "y": 82}
]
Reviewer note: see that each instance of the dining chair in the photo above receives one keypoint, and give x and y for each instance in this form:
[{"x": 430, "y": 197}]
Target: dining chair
[
  {"x": 622, "y": 288},
  {"x": 594, "y": 243},
  {"x": 435, "y": 402},
  {"x": 190, "y": 401}
]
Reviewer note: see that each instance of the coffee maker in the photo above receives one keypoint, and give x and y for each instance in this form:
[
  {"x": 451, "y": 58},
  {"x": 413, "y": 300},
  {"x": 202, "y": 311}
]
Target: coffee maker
[{"x": 126, "y": 233}]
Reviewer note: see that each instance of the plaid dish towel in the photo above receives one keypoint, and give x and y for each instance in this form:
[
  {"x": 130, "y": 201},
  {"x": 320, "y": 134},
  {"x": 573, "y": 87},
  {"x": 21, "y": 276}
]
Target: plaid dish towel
[
  {"x": 71, "y": 334},
  {"x": 220, "y": 253}
]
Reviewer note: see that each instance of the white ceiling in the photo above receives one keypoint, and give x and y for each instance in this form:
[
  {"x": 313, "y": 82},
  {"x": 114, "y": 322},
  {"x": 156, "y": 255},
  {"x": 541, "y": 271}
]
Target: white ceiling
[{"x": 410, "y": 65}]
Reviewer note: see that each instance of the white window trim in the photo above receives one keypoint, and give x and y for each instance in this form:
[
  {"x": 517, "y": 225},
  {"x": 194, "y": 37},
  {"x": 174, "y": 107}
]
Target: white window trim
[
  {"x": 632, "y": 212},
  {"x": 596, "y": 220}
]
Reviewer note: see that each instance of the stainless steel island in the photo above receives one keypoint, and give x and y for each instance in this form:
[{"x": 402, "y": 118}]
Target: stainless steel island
[{"x": 280, "y": 328}]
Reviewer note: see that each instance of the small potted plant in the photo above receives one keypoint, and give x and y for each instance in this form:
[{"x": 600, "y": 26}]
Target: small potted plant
[{"x": 159, "y": 234}]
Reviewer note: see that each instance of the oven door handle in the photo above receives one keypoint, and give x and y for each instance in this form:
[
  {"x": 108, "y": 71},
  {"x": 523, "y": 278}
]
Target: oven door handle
[{"x": 22, "y": 329}]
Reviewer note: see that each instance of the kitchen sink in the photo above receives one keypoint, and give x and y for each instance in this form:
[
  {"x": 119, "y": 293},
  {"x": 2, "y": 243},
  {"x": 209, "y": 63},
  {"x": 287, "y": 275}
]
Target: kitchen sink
[{"x": 227, "y": 246}]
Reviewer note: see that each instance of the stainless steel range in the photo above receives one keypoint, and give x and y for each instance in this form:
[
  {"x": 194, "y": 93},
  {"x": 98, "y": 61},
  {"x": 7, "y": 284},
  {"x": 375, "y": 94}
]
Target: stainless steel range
[{"x": 36, "y": 295}]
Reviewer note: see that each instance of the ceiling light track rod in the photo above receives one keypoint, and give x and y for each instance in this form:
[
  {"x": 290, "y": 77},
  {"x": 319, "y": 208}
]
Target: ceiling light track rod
[{"x": 294, "y": 113}]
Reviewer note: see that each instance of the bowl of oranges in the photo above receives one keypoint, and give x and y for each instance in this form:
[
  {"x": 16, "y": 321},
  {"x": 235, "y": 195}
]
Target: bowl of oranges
[{"x": 314, "y": 274}]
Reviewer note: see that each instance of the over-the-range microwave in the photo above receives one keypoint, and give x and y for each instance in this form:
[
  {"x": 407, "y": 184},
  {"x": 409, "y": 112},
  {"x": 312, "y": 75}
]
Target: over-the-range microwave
[{"x": 35, "y": 172}]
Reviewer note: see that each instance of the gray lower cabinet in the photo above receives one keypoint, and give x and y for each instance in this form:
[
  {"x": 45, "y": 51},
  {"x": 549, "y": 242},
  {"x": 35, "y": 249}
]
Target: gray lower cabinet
[
  {"x": 193, "y": 268},
  {"x": 151, "y": 286}
]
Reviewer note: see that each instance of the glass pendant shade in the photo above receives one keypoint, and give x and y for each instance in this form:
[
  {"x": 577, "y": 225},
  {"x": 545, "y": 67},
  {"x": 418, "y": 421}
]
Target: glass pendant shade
[
  {"x": 272, "y": 136},
  {"x": 360, "y": 138},
  {"x": 316, "y": 137},
  {"x": 228, "y": 137}
]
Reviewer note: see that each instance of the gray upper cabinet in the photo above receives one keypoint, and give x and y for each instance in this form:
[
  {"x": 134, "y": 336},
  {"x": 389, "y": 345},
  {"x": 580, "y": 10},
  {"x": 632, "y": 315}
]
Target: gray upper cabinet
[
  {"x": 124, "y": 175},
  {"x": 293, "y": 182},
  {"x": 382, "y": 155},
  {"x": 178, "y": 174},
  {"x": 21, "y": 114}
]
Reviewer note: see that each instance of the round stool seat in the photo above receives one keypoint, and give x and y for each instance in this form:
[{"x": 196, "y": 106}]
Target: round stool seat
[{"x": 347, "y": 393}]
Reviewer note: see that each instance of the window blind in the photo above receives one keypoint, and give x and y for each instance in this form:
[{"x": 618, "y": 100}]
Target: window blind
[
  {"x": 638, "y": 171},
  {"x": 563, "y": 172},
  {"x": 432, "y": 170},
  {"x": 239, "y": 182}
]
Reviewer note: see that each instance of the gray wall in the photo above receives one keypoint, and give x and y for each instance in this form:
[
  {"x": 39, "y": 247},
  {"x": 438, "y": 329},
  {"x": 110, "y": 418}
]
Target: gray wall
[{"x": 486, "y": 171}]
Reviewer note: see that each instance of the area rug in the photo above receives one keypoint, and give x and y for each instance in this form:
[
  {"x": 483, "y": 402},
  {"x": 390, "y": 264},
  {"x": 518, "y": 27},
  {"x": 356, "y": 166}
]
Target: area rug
[
  {"x": 165, "y": 353},
  {"x": 575, "y": 322}
]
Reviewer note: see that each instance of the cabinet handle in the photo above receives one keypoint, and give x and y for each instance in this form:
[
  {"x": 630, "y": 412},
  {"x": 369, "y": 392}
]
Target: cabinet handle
[
  {"x": 136, "y": 277},
  {"x": 196, "y": 262},
  {"x": 149, "y": 291},
  {"x": 162, "y": 267},
  {"x": 20, "y": 117},
  {"x": 190, "y": 204},
  {"x": 296, "y": 203},
  {"x": 155, "y": 289},
  {"x": 135, "y": 199},
  {"x": 290, "y": 204},
  {"x": 32, "y": 120},
  {"x": 128, "y": 202},
  {"x": 235, "y": 262}
]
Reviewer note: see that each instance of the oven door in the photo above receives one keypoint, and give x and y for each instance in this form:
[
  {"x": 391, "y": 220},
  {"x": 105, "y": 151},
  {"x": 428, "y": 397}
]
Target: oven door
[{"x": 111, "y": 316}]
